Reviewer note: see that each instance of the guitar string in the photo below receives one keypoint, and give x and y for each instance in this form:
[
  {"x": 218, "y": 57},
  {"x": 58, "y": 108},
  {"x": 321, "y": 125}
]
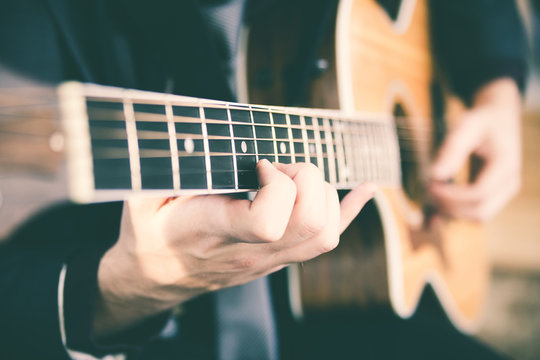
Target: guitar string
[
  {"x": 52, "y": 104},
  {"x": 407, "y": 144},
  {"x": 403, "y": 135},
  {"x": 337, "y": 117},
  {"x": 427, "y": 131}
]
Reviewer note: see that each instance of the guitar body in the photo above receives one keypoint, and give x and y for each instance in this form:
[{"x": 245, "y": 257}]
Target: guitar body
[{"x": 376, "y": 64}]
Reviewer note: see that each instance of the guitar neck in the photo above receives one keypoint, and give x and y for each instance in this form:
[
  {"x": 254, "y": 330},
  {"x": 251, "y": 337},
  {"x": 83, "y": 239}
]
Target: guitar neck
[{"x": 124, "y": 141}]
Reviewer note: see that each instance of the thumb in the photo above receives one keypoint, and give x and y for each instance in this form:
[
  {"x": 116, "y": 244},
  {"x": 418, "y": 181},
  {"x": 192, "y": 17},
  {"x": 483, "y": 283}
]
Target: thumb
[{"x": 458, "y": 145}]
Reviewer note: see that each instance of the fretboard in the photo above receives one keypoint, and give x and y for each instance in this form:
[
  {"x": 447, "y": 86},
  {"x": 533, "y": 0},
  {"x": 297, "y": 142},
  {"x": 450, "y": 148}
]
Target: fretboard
[{"x": 123, "y": 141}]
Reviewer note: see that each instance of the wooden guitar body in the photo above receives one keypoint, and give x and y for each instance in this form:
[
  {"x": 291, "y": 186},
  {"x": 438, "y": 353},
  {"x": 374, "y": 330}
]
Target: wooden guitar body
[{"x": 378, "y": 64}]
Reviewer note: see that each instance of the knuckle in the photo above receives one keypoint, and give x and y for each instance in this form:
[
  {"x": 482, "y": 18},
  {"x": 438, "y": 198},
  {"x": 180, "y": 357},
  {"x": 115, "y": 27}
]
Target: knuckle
[
  {"x": 329, "y": 243},
  {"x": 265, "y": 231},
  {"x": 310, "y": 225}
]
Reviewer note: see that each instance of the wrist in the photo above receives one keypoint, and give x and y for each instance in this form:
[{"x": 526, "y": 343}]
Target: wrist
[
  {"x": 123, "y": 297},
  {"x": 128, "y": 291}
]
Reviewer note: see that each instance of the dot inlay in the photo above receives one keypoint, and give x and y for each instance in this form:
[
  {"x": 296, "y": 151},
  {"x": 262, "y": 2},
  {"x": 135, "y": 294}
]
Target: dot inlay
[{"x": 189, "y": 145}]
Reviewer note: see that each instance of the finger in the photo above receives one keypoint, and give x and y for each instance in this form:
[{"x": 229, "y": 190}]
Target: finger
[
  {"x": 457, "y": 147},
  {"x": 353, "y": 202},
  {"x": 493, "y": 178},
  {"x": 325, "y": 240},
  {"x": 266, "y": 217},
  {"x": 480, "y": 200},
  {"x": 486, "y": 209},
  {"x": 310, "y": 213}
]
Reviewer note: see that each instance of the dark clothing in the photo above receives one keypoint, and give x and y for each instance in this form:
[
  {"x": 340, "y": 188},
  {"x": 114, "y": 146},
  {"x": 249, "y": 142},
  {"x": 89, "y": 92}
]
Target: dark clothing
[
  {"x": 476, "y": 41},
  {"x": 159, "y": 45}
]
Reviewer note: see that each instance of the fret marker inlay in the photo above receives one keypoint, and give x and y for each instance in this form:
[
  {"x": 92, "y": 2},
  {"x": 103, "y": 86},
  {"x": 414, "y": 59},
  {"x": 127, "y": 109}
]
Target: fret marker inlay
[
  {"x": 189, "y": 145},
  {"x": 282, "y": 148},
  {"x": 244, "y": 147}
]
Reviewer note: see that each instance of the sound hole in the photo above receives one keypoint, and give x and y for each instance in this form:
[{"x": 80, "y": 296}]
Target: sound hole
[{"x": 410, "y": 166}]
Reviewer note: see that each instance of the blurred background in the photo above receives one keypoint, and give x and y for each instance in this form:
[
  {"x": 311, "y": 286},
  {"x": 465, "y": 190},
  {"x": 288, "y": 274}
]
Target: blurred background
[{"x": 512, "y": 318}]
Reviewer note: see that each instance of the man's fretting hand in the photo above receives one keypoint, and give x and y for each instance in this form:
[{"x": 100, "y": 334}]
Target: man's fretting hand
[{"x": 171, "y": 250}]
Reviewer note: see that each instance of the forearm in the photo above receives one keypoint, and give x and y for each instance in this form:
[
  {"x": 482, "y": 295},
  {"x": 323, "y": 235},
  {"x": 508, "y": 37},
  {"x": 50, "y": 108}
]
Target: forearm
[{"x": 120, "y": 303}]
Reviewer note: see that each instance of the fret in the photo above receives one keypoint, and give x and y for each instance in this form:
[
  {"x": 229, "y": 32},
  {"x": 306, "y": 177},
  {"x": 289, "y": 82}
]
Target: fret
[
  {"x": 355, "y": 152},
  {"x": 154, "y": 153},
  {"x": 312, "y": 145},
  {"x": 274, "y": 136},
  {"x": 190, "y": 144},
  {"x": 204, "y": 129},
  {"x": 220, "y": 150},
  {"x": 108, "y": 133},
  {"x": 318, "y": 145},
  {"x": 133, "y": 146},
  {"x": 324, "y": 149},
  {"x": 244, "y": 147},
  {"x": 281, "y": 130},
  {"x": 265, "y": 135},
  {"x": 394, "y": 151},
  {"x": 391, "y": 160},
  {"x": 384, "y": 159},
  {"x": 358, "y": 152},
  {"x": 330, "y": 151},
  {"x": 336, "y": 165},
  {"x": 343, "y": 173},
  {"x": 254, "y": 134},
  {"x": 385, "y": 152},
  {"x": 304, "y": 138},
  {"x": 290, "y": 137},
  {"x": 373, "y": 151},
  {"x": 297, "y": 147},
  {"x": 235, "y": 164},
  {"x": 379, "y": 151},
  {"x": 365, "y": 150}
]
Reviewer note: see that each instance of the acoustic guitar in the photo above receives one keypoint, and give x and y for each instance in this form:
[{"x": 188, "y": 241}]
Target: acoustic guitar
[{"x": 93, "y": 143}]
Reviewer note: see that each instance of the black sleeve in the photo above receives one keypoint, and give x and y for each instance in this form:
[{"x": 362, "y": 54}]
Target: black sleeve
[
  {"x": 31, "y": 261},
  {"x": 476, "y": 41},
  {"x": 30, "y": 265},
  {"x": 80, "y": 290}
]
